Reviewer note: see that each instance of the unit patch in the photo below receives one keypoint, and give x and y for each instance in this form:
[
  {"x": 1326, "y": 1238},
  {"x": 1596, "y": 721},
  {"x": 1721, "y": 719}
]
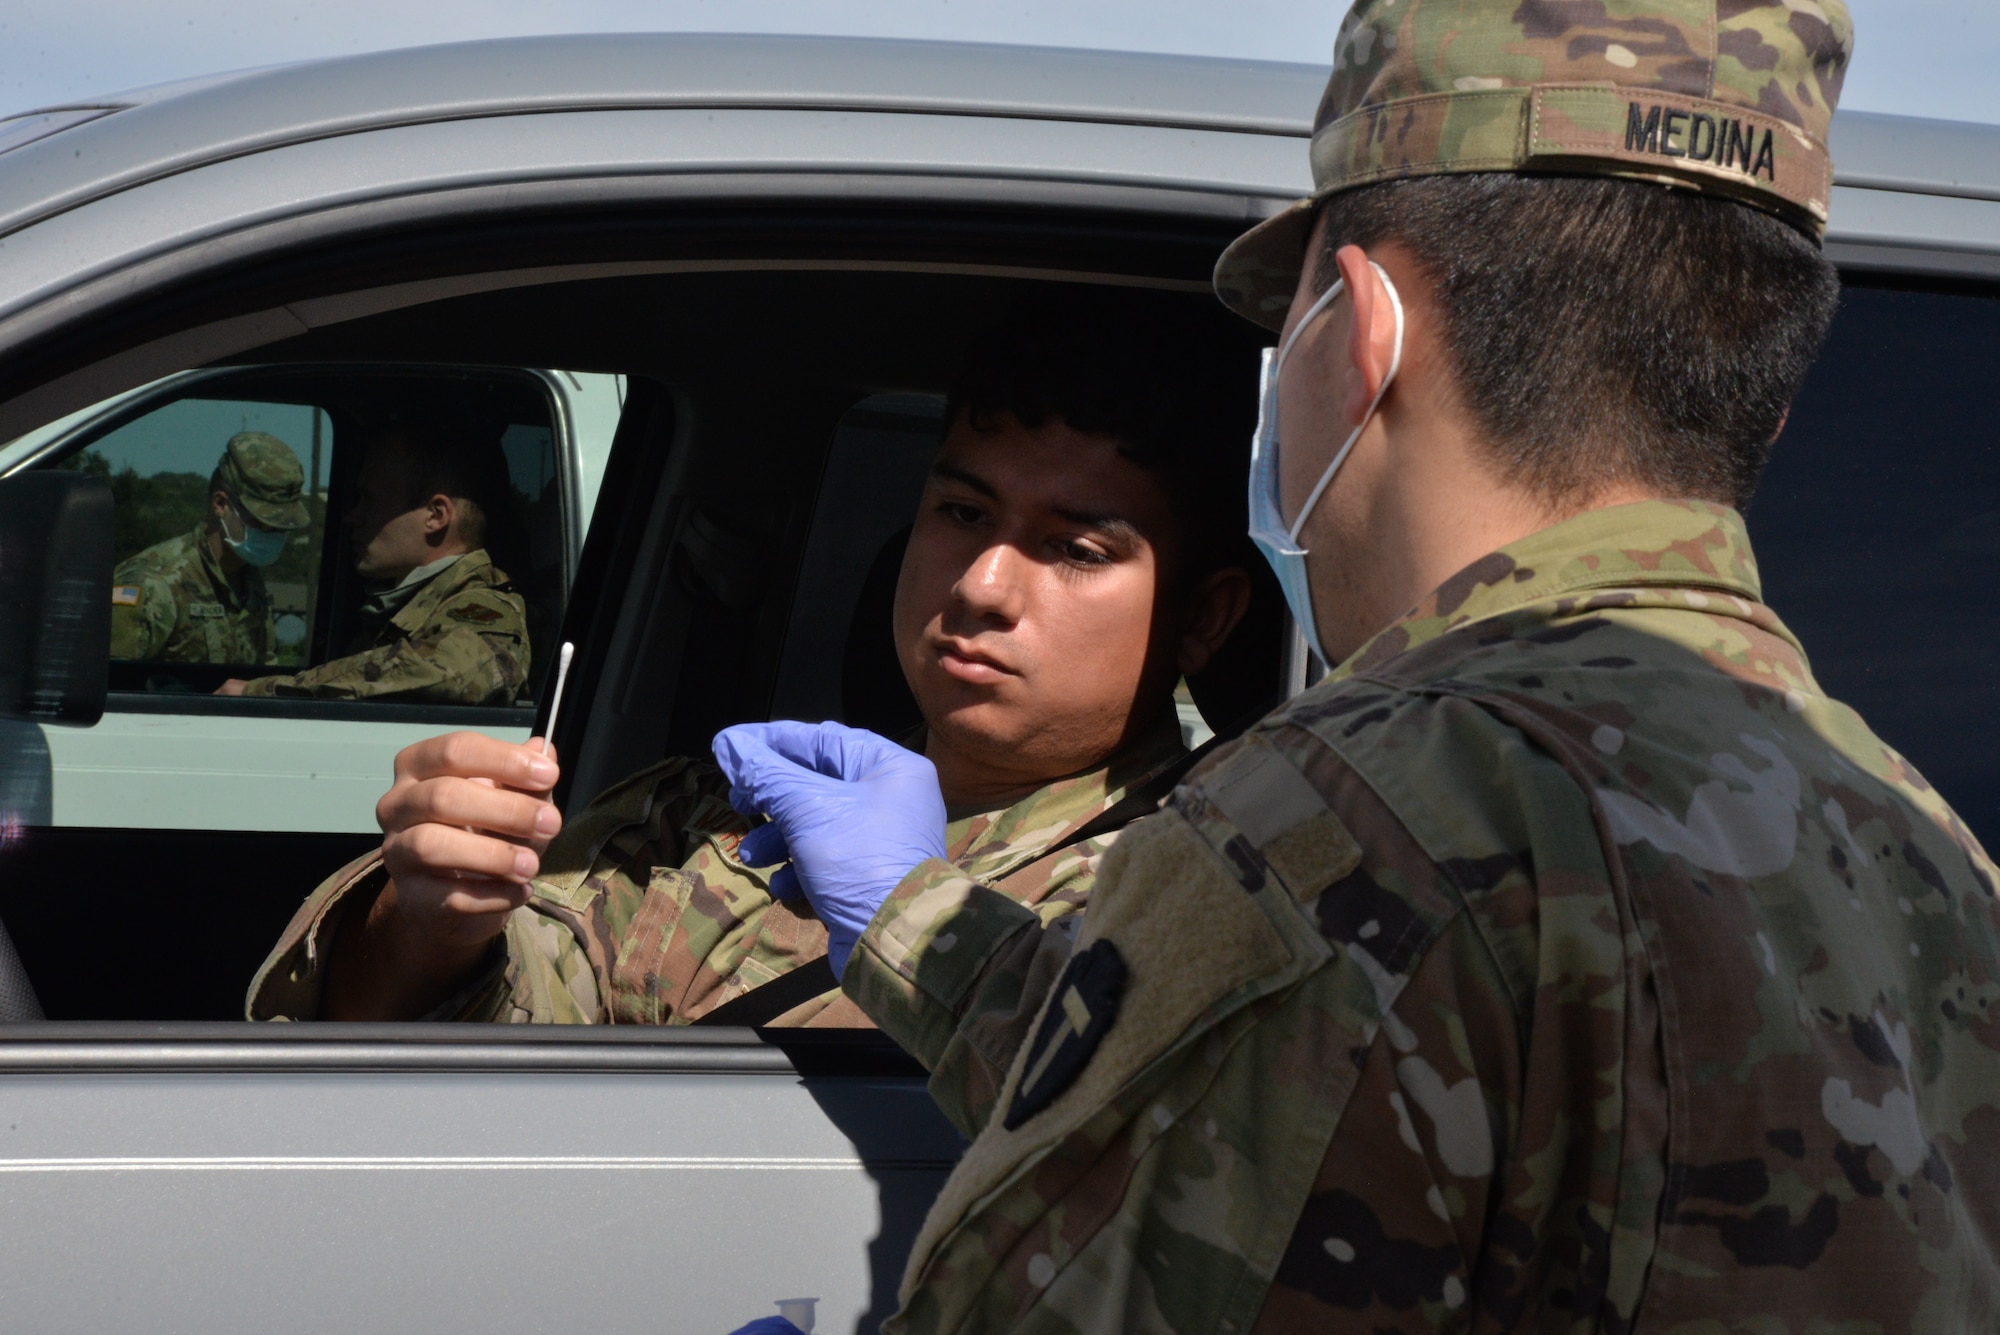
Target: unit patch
[
  {"x": 125, "y": 595},
  {"x": 477, "y": 614},
  {"x": 1084, "y": 1006}
]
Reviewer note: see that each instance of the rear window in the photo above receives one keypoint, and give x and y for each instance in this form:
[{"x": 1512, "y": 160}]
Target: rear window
[{"x": 1878, "y": 525}]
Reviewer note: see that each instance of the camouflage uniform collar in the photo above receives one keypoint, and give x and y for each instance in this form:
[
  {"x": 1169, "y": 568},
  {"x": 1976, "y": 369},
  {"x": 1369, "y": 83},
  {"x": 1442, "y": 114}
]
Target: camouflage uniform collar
[
  {"x": 997, "y": 843},
  {"x": 449, "y": 576},
  {"x": 1661, "y": 545},
  {"x": 387, "y": 602}
]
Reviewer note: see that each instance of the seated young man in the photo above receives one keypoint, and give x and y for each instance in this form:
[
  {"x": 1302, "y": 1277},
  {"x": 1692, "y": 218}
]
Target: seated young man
[
  {"x": 1074, "y": 555},
  {"x": 442, "y": 623}
]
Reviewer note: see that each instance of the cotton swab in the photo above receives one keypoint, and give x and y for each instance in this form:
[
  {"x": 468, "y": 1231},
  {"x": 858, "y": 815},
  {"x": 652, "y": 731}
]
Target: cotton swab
[{"x": 556, "y": 699}]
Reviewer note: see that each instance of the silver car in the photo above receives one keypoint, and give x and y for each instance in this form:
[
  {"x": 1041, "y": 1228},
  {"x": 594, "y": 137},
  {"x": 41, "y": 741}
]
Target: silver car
[{"x": 712, "y": 290}]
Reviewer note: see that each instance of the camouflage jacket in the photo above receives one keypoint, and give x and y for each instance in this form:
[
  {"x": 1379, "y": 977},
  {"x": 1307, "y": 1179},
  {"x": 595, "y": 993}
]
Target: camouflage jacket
[
  {"x": 171, "y": 603},
  {"x": 1567, "y": 960},
  {"x": 461, "y": 639},
  {"x": 644, "y": 915}
]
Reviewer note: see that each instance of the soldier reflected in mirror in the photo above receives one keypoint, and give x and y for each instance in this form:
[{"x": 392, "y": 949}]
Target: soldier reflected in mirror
[
  {"x": 201, "y": 597},
  {"x": 440, "y": 622}
]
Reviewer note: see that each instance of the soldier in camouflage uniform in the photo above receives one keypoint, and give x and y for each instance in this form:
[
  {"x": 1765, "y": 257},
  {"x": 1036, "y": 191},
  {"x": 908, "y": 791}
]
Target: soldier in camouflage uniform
[
  {"x": 443, "y": 625},
  {"x": 1567, "y": 959},
  {"x": 641, "y": 912},
  {"x": 200, "y": 598}
]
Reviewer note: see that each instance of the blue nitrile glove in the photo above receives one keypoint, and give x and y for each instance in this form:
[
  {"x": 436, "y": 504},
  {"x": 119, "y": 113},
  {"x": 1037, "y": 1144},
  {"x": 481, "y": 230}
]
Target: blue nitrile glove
[
  {"x": 853, "y": 811},
  {"x": 768, "y": 1325}
]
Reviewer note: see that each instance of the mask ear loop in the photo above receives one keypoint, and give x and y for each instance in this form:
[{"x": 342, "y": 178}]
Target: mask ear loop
[{"x": 1395, "y": 366}]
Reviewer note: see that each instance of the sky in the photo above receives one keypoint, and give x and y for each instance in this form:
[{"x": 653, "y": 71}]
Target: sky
[{"x": 1915, "y": 57}]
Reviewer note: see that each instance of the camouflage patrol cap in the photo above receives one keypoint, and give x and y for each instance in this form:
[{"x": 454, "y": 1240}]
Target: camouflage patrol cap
[
  {"x": 1731, "y": 98},
  {"x": 266, "y": 479}
]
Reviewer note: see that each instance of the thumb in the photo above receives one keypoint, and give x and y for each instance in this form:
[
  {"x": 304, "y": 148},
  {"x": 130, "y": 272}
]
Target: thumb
[{"x": 762, "y": 847}]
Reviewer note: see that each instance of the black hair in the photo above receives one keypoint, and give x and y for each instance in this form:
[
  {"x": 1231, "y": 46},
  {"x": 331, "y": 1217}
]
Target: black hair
[
  {"x": 443, "y": 454},
  {"x": 1175, "y": 386},
  {"x": 1608, "y": 331}
]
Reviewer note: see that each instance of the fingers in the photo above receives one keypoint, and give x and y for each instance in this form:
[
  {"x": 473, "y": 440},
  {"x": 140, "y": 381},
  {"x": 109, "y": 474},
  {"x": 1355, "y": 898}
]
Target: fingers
[
  {"x": 760, "y": 778},
  {"x": 468, "y": 803},
  {"x": 448, "y": 853},
  {"x": 459, "y": 912},
  {"x": 831, "y": 749},
  {"x": 472, "y": 755}
]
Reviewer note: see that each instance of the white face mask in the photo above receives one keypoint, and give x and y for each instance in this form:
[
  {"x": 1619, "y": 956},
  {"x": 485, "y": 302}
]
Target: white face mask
[{"x": 1278, "y": 541}]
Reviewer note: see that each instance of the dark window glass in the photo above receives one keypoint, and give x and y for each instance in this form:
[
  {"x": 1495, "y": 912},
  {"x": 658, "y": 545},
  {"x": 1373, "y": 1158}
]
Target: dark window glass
[
  {"x": 875, "y": 471},
  {"x": 1878, "y": 527}
]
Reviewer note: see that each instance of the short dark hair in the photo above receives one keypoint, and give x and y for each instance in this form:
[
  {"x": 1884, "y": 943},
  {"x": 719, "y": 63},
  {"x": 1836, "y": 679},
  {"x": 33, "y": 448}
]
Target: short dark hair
[
  {"x": 1172, "y": 384},
  {"x": 441, "y": 455},
  {"x": 1607, "y": 331}
]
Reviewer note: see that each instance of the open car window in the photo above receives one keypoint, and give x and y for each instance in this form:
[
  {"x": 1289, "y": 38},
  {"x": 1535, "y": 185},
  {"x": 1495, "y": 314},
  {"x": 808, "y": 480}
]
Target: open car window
[
  {"x": 160, "y": 465},
  {"x": 276, "y": 587}
]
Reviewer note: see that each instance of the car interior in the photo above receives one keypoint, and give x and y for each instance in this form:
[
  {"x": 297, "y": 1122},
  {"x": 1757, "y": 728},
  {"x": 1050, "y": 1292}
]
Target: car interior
[{"x": 778, "y": 424}]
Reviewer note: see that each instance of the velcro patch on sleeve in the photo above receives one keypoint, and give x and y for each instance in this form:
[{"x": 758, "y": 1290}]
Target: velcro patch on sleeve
[
  {"x": 1085, "y": 1007},
  {"x": 475, "y": 613},
  {"x": 126, "y": 595},
  {"x": 1283, "y": 817}
]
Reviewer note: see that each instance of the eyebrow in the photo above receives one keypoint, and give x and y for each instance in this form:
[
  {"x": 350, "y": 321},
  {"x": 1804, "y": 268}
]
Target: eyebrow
[
  {"x": 965, "y": 476},
  {"x": 1104, "y": 521}
]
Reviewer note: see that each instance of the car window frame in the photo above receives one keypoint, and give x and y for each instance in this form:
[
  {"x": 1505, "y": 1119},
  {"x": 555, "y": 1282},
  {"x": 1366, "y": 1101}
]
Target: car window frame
[{"x": 94, "y": 426}]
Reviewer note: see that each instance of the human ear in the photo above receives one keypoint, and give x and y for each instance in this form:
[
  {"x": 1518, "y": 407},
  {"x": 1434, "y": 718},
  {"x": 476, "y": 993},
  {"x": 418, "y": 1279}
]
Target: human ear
[
  {"x": 439, "y": 511},
  {"x": 1371, "y": 338},
  {"x": 1212, "y": 611}
]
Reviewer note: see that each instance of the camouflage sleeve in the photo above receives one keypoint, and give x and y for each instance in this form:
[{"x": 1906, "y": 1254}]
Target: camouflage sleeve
[
  {"x": 448, "y": 664},
  {"x": 963, "y": 1008},
  {"x": 143, "y": 614},
  {"x": 287, "y": 985}
]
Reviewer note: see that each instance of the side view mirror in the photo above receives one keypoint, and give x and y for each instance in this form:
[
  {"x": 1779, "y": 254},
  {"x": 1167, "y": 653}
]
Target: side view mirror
[{"x": 55, "y": 597}]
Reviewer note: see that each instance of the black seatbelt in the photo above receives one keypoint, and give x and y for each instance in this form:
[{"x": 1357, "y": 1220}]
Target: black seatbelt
[{"x": 766, "y": 1002}]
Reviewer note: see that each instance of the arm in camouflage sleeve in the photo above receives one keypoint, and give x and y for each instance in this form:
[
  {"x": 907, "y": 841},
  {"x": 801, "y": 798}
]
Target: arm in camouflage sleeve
[
  {"x": 542, "y": 969},
  {"x": 449, "y": 665},
  {"x": 289, "y": 983},
  {"x": 956, "y": 971}
]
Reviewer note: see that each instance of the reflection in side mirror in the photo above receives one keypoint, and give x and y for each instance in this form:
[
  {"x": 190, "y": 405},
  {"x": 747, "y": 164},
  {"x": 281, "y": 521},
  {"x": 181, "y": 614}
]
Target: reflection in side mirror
[{"x": 55, "y": 597}]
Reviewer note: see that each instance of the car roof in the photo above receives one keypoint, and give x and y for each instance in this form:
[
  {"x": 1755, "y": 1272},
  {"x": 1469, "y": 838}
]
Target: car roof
[
  {"x": 176, "y": 127},
  {"x": 156, "y": 132}
]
